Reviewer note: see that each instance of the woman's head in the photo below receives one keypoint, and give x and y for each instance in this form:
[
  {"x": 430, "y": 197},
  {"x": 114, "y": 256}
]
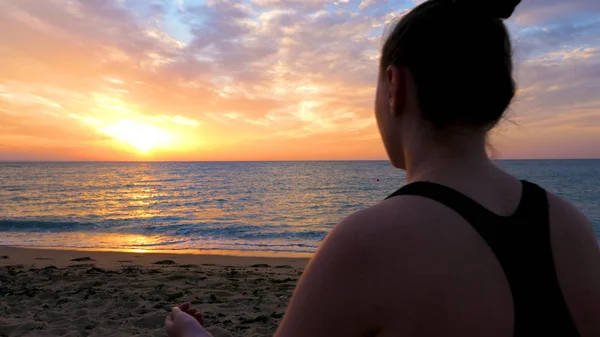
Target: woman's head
[{"x": 446, "y": 64}]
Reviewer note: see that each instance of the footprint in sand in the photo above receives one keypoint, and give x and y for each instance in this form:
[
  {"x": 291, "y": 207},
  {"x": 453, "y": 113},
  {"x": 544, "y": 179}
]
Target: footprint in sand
[
  {"x": 260, "y": 265},
  {"x": 144, "y": 311},
  {"x": 224, "y": 294},
  {"x": 15, "y": 266},
  {"x": 4, "y": 257},
  {"x": 151, "y": 321},
  {"x": 165, "y": 262},
  {"x": 43, "y": 258},
  {"x": 81, "y": 313},
  {"x": 83, "y": 259},
  {"x": 188, "y": 266},
  {"x": 219, "y": 332},
  {"x": 81, "y": 265},
  {"x": 58, "y": 332},
  {"x": 229, "y": 306},
  {"x": 177, "y": 277},
  {"x": 284, "y": 267},
  {"x": 277, "y": 281},
  {"x": 129, "y": 305}
]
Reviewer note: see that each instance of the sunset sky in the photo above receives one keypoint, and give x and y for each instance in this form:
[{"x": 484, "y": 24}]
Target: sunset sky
[{"x": 259, "y": 79}]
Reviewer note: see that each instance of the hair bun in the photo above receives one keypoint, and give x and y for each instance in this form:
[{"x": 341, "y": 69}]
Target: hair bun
[{"x": 499, "y": 9}]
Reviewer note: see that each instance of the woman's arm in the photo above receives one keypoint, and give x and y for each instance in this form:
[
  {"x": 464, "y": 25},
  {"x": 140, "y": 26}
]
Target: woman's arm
[{"x": 334, "y": 297}]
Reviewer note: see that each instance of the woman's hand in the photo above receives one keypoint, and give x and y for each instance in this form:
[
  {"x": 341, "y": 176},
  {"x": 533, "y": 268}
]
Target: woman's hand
[
  {"x": 185, "y": 321},
  {"x": 188, "y": 309}
]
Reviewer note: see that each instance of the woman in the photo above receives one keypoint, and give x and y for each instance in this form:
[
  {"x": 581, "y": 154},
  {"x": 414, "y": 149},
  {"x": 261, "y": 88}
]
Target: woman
[{"x": 464, "y": 249}]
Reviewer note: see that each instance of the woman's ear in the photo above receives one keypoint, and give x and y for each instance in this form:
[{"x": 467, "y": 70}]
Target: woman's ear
[{"x": 396, "y": 85}]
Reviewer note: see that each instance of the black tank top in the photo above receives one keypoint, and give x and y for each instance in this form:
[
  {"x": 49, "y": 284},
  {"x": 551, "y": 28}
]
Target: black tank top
[{"x": 521, "y": 243}]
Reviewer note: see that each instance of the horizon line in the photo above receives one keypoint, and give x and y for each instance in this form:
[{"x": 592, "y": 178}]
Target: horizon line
[{"x": 256, "y": 161}]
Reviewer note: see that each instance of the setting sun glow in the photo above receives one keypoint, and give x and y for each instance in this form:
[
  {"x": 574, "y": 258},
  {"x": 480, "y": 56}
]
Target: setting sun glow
[{"x": 142, "y": 137}]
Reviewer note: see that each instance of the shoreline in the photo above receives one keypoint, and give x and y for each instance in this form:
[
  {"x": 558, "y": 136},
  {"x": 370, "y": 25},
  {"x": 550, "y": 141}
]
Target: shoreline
[{"x": 111, "y": 259}]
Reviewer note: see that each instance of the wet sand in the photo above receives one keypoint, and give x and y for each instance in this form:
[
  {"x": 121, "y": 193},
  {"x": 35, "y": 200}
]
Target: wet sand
[{"x": 82, "y": 293}]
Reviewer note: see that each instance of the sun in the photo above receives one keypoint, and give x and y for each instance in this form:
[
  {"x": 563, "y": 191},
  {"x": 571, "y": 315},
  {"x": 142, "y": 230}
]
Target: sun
[{"x": 142, "y": 137}]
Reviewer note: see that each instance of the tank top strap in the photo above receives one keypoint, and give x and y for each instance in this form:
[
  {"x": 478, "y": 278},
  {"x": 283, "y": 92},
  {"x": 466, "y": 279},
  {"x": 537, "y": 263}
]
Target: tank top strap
[
  {"x": 472, "y": 211},
  {"x": 497, "y": 231}
]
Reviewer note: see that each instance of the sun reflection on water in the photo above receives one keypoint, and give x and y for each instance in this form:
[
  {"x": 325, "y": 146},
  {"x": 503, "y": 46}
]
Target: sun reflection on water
[{"x": 181, "y": 206}]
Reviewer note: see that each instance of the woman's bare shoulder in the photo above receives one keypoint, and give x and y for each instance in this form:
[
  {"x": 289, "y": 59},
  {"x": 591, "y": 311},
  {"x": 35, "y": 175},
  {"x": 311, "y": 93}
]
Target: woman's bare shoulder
[
  {"x": 562, "y": 210},
  {"x": 571, "y": 231},
  {"x": 577, "y": 259},
  {"x": 404, "y": 216},
  {"x": 401, "y": 235},
  {"x": 351, "y": 266}
]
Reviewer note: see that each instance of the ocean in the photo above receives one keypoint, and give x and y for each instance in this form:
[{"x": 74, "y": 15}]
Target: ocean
[{"x": 277, "y": 207}]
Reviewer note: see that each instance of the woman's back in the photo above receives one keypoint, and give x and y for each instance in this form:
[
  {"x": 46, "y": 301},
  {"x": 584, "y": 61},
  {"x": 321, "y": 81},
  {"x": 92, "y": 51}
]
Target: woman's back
[
  {"x": 500, "y": 270},
  {"x": 520, "y": 242},
  {"x": 420, "y": 269}
]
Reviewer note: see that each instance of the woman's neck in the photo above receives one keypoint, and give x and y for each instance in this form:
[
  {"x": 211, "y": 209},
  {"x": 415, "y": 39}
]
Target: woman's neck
[{"x": 456, "y": 157}]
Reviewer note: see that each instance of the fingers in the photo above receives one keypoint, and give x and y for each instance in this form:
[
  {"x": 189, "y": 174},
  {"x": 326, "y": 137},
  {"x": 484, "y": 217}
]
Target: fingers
[
  {"x": 199, "y": 317},
  {"x": 188, "y": 309},
  {"x": 176, "y": 312},
  {"x": 169, "y": 320}
]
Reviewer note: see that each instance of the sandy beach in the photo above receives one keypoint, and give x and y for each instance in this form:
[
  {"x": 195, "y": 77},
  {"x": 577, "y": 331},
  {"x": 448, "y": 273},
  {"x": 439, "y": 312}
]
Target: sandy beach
[{"x": 94, "y": 293}]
